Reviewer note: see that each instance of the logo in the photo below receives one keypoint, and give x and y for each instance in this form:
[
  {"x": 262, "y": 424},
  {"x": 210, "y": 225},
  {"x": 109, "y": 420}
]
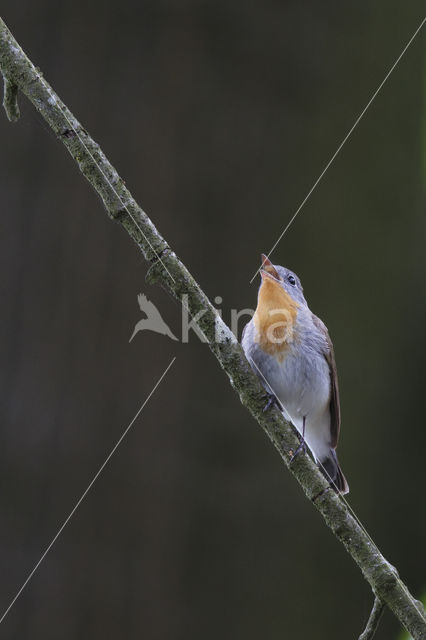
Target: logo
[{"x": 153, "y": 320}]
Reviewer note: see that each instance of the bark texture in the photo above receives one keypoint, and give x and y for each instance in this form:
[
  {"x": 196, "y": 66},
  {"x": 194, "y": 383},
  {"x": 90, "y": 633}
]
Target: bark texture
[
  {"x": 168, "y": 271},
  {"x": 373, "y": 620}
]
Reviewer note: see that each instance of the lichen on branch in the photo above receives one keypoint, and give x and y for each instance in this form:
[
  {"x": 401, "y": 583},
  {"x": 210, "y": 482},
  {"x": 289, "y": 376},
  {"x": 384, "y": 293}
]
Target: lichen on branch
[{"x": 168, "y": 271}]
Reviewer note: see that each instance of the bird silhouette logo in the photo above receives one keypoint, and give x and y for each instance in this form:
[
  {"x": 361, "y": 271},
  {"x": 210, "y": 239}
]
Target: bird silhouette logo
[{"x": 153, "y": 320}]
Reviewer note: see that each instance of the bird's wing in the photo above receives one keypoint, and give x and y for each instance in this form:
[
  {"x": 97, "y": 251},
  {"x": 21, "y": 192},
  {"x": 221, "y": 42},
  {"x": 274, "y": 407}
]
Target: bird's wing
[
  {"x": 334, "y": 392},
  {"x": 147, "y": 307}
]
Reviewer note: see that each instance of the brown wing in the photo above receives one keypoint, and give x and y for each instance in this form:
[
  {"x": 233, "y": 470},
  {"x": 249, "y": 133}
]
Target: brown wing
[{"x": 334, "y": 392}]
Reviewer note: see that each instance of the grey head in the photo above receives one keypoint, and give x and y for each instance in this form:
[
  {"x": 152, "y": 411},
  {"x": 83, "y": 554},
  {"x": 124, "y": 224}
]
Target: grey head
[{"x": 286, "y": 278}]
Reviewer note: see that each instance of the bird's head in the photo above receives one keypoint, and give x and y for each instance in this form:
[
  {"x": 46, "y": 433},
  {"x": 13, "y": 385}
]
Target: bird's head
[{"x": 276, "y": 278}]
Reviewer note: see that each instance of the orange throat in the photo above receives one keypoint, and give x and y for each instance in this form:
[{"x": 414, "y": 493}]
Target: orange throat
[{"x": 275, "y": 318}]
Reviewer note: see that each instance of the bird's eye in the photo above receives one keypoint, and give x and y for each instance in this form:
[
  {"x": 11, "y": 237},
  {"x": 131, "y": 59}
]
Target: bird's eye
[{"x": 292, "y": 280}]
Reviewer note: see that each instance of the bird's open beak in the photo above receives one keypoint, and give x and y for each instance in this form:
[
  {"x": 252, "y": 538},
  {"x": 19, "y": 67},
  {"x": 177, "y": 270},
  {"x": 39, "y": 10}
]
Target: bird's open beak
[
  {"x": 268, "y": 269},
  {"x": 265, "y": 275}
]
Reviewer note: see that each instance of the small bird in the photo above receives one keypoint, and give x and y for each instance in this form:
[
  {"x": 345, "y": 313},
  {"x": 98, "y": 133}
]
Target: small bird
[
  {"x": 153, "y": 321},
  {"x": 290, "y": 350}
]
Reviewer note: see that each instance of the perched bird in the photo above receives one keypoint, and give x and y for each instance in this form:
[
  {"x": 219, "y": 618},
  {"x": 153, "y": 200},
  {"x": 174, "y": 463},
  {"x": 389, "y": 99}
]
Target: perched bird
[
  {"x": 290, "y": 350},
  {"x": 153, "y": 321}
]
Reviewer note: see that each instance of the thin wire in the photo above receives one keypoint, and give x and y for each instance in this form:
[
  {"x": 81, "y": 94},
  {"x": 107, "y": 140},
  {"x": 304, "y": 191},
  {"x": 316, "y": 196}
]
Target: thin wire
[
  {"x": 84, "y": 494},
  {"x": 172, "y": 361},
  {"x": 342, "y": 497},
  {"x": 343, "y": 142}
]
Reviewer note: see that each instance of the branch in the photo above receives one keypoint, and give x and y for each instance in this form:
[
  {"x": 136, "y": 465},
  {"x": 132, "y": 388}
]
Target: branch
[
  {"x": 373, "y": 620},
  {"x": 168, "y": 271},
  {"x": 10, "y": 99}
]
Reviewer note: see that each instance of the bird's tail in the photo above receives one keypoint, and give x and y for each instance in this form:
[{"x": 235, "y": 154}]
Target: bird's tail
[{"x": 333, "y": 472}]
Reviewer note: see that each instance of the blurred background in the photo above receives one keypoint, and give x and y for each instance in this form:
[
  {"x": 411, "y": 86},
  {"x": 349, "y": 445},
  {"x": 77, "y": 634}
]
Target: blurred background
[{"x": 220, "y": 116}]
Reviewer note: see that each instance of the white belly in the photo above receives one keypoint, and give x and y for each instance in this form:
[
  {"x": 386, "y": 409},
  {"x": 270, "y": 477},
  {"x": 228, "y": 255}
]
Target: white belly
[{"x": 302, "y": 385}]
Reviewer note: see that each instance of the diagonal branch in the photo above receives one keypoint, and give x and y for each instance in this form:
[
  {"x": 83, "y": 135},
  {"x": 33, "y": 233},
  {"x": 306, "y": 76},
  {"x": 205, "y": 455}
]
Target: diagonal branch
[
  {"x": 10, "y": 99},
  {"x": 168, "y": 271},
  {"x": 373, "y": 620}
]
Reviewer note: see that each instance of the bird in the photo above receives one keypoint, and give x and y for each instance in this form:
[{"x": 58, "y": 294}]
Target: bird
[
  {"x": 153, "y": 321},
  {"x": 290, "y": 350}
]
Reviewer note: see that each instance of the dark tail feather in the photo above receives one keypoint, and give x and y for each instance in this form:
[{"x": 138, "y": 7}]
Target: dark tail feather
[{"x": 334, "y": 473}]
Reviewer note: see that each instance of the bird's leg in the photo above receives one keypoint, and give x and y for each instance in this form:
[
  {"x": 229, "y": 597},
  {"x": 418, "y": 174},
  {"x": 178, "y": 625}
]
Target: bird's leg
[
  {"x": 302, "y": 445},
  {"x": 271, "y": 400}
]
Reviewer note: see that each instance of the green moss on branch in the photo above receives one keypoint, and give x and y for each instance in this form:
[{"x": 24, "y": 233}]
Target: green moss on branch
[{"x": 168, "y": 271}]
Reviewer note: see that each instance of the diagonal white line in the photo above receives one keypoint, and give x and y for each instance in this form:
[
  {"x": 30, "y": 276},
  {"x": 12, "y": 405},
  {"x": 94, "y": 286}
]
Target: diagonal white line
[
  {"x": 344, "y": 141},
  {"x": 253, "y": 364},
  {"x": 84, "y": 494}
]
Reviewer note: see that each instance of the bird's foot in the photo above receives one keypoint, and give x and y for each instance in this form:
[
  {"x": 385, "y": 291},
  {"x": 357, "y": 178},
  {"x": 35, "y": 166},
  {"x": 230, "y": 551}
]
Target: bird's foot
[
  {"x": 271, "y": 400},
  {"x": 302, "y": 447}
]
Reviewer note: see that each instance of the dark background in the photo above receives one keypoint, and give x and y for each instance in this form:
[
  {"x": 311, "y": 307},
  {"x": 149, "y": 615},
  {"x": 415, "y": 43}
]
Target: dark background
[{"x": 220, "y": 116}]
